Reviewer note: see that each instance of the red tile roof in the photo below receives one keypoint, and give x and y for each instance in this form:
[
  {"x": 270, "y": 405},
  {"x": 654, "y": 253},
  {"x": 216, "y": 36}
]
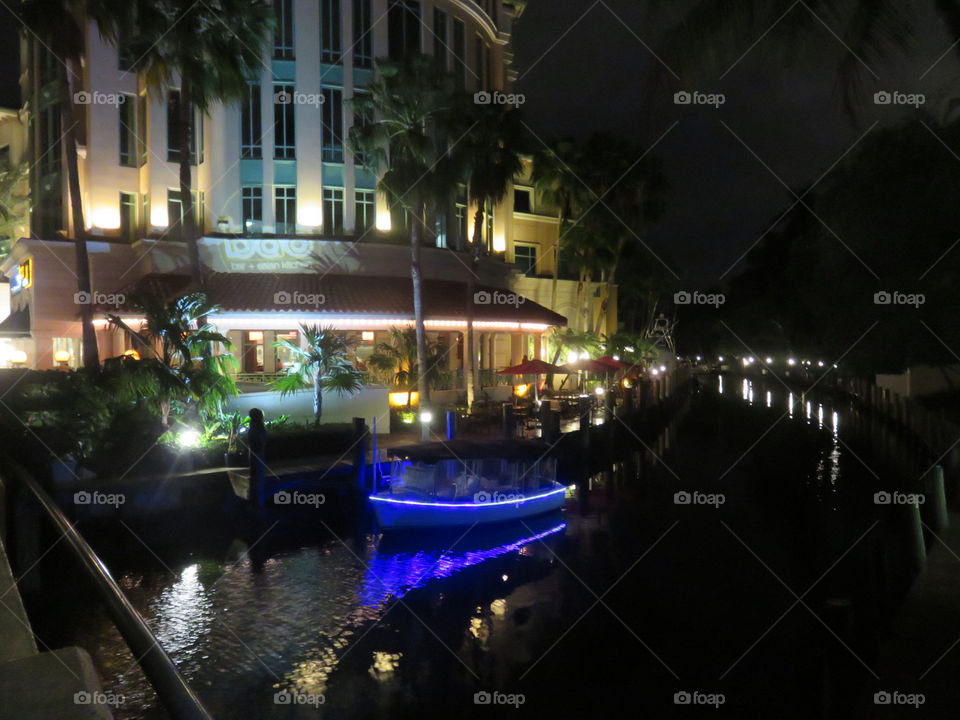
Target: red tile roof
[{"x": 350, "y": 295}]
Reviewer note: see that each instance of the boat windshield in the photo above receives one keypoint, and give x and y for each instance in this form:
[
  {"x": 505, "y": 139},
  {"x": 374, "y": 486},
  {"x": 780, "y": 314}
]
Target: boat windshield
[{"x": 483, "y": 480}]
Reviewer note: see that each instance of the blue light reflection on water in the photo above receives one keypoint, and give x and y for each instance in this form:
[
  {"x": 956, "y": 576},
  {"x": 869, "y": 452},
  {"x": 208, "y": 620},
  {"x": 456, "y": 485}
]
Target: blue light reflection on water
[{"x": 393, "y": 575}]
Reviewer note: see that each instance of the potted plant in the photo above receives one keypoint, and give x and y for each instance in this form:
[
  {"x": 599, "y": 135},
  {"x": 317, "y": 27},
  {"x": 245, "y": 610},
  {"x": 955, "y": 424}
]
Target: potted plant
[
  {"x": 223, "y": 223},
  {"x": 234, "y": 424}
]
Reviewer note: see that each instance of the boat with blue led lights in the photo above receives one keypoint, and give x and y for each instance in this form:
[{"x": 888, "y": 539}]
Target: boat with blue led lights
[{"x": 464, "y": 482}]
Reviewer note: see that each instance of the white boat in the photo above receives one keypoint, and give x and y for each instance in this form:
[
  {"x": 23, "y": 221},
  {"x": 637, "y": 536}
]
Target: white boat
[{"x": 458, "y": 483}]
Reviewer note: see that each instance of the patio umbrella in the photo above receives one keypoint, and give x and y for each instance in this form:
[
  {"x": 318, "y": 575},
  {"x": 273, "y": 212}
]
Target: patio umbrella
[
  {"x": 587, "y": 365},
  {"x": 613, "y": 363},
  {"x": 532, "y": 367}
]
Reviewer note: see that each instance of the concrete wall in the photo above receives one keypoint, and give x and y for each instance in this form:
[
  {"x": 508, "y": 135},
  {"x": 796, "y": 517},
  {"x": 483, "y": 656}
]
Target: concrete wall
[
  {"x": 921, "y": 380},
  {"x": 369, "y": 403}
]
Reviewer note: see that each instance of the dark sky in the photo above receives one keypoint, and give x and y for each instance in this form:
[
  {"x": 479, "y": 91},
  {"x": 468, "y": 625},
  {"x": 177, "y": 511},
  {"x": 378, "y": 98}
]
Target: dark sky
[
  {"x": 724, "y": 198},
  {"x": 9, "y": 65}
]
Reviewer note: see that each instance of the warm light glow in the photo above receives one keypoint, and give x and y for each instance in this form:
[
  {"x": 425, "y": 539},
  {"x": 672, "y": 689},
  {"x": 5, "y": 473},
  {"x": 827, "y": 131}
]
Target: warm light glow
[
  {"x": 277, "y": 321},
  {"x": 309, "y": 216},
  {"x": 368, "y": 335},
  {"x": 820, "y": 363},
  {"x": 626, "y": 383},
  {"x": 384, "y": 223},
  {"x": 255, "y": 336},
  {"x": 426, "y": 417},
  {"x": 499, "y": 243},
  {"x": 720, "y": 358},
  {"x": 769, "y": 361},
  {"x": 61, "y": 356},
  {"x": 617, "y": 358},
  {"x": 663, "y": 368},
  {"x": 655, "y": 372},
  {"x": 158, "y": 216},
  {"x": 133, "y": 354},
  {"x": 17, "y": 357},
  {"x": 106, "y": 217},
  {"x": 521, "y": 390},
  {"x": 400, "y": 399},
  {"x": 600, "y": 391},
  {"x": 791, "y": 362}
]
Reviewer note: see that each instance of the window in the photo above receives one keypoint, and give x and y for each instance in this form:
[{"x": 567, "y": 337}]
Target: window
[
  {"x": 362, "y": 35},
  {"x": 360, "y": 119},
  {"x": 285, "y": 210},
  {"x": 522, "y": 201},
  {"x": 526, "y": 257},
  {"x": 50, "y": 137},
  {"x": 403, "y": 31},
  {"x": 175, "y": 213},
  {"x": 251, "y": 126},
  {"x": 285, "y": 141},
  {"x": 365, "y": 210},
  {"x": 196, "y": 131},
  {"x": 251, "y": 200},
  {"x": 459, "y": 53},
  {"x": 283, "y": 31},
  {"x": 332, "y": 211},
  {"x": 330, "y": 48},
  {"x": 128, "y": 217},
  {"x": 440, "y": 37},
  {"x": 478, "y": 60},
  {"x": 332, "y": 128},
  {"x": 461, "y": 212},
  {"x": 133, "y": 149},
  {"x": 285, "y": 356}
]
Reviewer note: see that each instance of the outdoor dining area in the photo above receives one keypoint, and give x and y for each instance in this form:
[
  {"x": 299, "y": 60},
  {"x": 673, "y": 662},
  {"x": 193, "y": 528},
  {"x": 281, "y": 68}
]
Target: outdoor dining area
[{"x": 549, "y": 399}]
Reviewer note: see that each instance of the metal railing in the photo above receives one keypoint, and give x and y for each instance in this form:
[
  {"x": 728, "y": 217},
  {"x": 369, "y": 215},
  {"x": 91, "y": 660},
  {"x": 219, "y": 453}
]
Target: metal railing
[{"x": 176, "y": 695}]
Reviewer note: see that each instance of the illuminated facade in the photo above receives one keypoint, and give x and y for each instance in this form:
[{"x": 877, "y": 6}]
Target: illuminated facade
[{"x": 277, "y": 191}]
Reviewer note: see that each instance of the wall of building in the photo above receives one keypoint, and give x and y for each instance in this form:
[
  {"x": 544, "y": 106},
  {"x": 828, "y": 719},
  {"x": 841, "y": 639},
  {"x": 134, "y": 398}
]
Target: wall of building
[{"x": 369, "y": 403}]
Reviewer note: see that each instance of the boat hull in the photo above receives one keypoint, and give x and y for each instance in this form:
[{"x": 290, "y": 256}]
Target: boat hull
[{"x": 399, "y": 512}]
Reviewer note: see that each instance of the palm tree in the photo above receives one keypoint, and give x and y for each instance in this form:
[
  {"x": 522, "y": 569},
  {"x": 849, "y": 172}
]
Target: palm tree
[
  {"x": 209, "y": 50},
  {"x": 490, "y": 152},
  {"x": 405, "y": 140},
  {"x": 398, "y": 358},
  {"x": 59, "y": 26},
  {"x": 324, "y": 364},
  {"x": 716, "y": 34},
  {"x": 14, "y": 203},
  {"x": 558, "y": 185},
  {"x": 177, "y": 368}
]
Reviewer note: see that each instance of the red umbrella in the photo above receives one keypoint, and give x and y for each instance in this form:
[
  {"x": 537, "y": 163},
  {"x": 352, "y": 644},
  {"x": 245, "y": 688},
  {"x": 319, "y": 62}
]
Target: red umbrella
[
  {"x": 587, "y": 365},
  {"x": 531, "y": 367},
  {"x": 613, "y": 363}
]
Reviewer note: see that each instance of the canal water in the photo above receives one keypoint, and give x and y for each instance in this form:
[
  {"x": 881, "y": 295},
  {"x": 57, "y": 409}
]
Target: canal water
[{"x": 735, "y": 565}]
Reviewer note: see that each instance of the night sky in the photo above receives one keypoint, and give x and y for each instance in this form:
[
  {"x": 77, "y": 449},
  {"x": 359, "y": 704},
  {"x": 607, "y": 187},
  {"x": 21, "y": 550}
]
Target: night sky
[{"x": 791, "y": 117}]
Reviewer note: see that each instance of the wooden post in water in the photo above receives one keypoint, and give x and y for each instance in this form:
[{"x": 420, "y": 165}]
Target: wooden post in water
[
  {"x": 360, "y": 453},
  {"x": 936, "y": 503}
]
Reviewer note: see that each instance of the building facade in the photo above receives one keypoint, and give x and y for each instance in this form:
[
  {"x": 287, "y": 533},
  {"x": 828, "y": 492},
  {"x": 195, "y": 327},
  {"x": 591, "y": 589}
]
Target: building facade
[{"x": 279, "y": 195}]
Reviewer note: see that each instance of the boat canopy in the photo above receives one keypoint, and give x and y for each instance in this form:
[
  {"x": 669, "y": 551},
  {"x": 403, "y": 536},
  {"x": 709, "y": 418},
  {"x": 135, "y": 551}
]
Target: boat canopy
[{"x": 519, "y": 450}]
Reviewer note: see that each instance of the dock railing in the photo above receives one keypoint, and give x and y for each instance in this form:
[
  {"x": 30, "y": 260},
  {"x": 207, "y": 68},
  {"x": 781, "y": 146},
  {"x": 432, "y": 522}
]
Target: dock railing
[{"x": 172, "y": 689}]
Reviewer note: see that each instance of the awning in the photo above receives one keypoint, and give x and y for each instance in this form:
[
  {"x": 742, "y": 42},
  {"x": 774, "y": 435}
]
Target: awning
[
  {"x": 351, "y": 295},
  {"x": 16, "y": 324}
]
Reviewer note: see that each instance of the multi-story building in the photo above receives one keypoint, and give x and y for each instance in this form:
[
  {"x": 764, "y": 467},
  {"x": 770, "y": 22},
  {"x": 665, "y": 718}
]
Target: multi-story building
[{"x": 293, "y": 227}]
